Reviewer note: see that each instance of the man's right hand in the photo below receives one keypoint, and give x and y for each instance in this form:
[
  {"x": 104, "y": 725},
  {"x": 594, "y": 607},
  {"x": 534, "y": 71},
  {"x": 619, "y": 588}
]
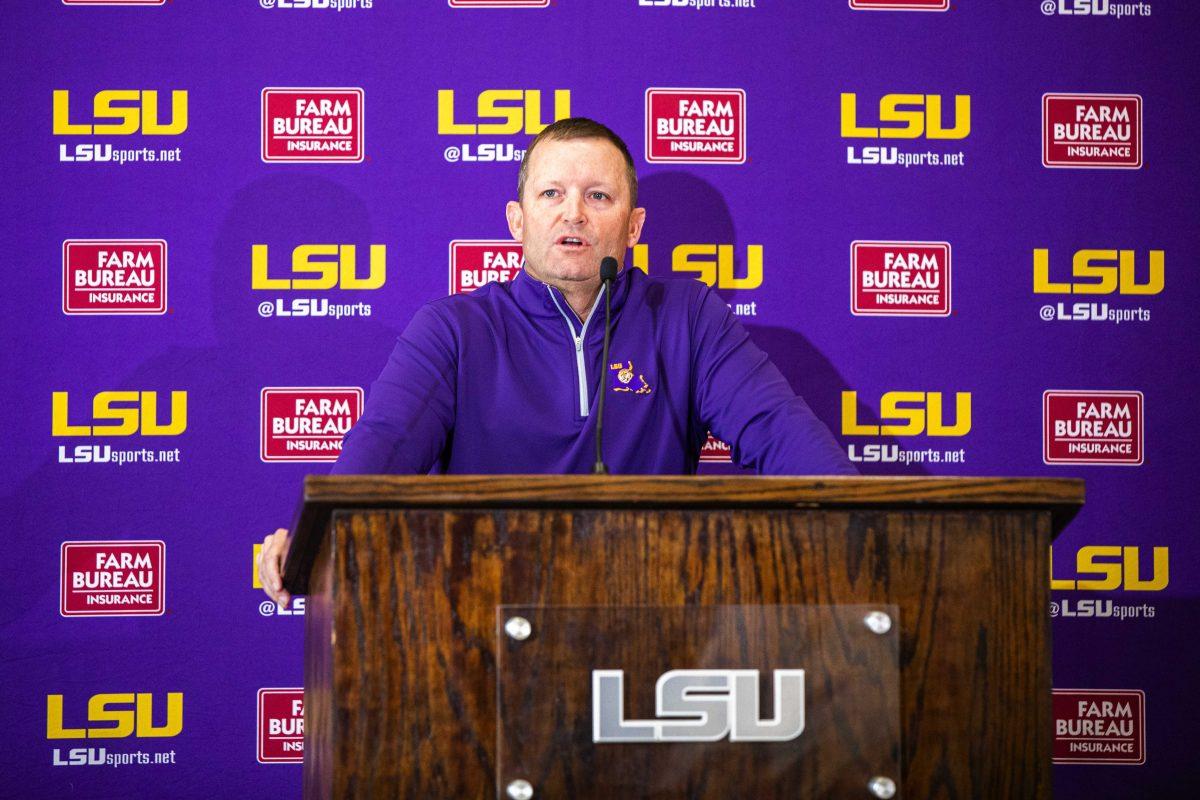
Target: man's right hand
[{"x": 270, "y": 566}]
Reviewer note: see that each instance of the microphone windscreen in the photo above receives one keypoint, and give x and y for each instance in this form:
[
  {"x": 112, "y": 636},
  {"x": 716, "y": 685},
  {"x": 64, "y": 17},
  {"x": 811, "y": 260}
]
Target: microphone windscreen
[{"x": 608, "y": 269}]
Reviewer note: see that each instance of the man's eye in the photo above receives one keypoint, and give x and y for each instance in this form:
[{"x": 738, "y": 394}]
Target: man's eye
[
  {"x": 550, "y": 193},
  {"x": 599, "y": 196}
]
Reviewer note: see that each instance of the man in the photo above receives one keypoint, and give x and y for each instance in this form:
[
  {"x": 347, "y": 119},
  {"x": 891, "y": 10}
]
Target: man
[{"x": 505, "y": 380}]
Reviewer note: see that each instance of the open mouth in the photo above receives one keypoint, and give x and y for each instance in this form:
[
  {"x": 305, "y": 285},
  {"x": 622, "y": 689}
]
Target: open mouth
[{"x": 572, "y": 243}]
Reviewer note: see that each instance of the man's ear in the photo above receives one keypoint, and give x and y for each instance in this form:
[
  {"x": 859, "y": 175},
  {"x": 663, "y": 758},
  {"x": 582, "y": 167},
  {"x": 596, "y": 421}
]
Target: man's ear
[
  {"x": 636, "y": 220},
  {"x": 516, "y": 220}
]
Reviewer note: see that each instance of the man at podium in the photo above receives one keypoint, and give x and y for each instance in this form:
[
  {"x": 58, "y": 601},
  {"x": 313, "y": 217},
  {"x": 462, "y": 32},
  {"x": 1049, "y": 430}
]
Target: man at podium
[{"x": 506, "y": 379}]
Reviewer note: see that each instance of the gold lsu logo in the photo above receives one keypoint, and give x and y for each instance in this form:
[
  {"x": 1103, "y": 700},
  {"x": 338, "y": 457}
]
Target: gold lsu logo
[
  {"x": 141, "y": 419},
  {"x": 134, "y": 111},
  {"x": 623, "y": 375},
  {"x": 1109, "y": 567},
  {"x": 1100, "y": 272},
  {"x": 118, "y": 720},
  {"x": 331, "y": 265},
  {"x": 712, "y": 263},
  {"x": 908, "y": 414},
  {"x": 514, "y": 111},
  {"x": 908, "y": 116}
]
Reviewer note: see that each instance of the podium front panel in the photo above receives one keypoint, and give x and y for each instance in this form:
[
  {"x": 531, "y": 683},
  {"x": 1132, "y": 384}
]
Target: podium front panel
[{"x": 795, "y": 701}]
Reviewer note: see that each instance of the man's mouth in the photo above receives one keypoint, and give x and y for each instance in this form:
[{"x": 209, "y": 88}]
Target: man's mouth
[{"x": 572, "y": 242}]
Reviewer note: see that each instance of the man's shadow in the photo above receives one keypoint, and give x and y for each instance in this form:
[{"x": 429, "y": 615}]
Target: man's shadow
[{"x": 683, "y": 208}]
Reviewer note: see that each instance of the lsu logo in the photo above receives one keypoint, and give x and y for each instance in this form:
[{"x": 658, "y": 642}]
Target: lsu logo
[
  {"x": 478, "y": 262},
  {"x": 1100, "y": 272},
  {"x": 114, "y": 276},
  {"x": 696, "y": 126},
  {"x": 713, "y": 264},
  {"x": 1099, "y": 726},
  {"x": 1092, "y": 131},
  {"x": 312, "y": 126},
  {"x": 715, "y": 451},
  {"x": 908, "y": 414},
  {"x": 900, "y": 279},
  {"x": 280, "y": 726},
  {"x": 1082, "y": 427},
  {"x": 307, "y": 424},
  {"x": 1112, "y": 567},
  {"x": 133, "y": 110},
  {"x": 514, "y": 111},
  {"x": 131, "y": 413},
  {"x": 330, "y": 265},
  {"x": 121, "y": 715},
  {"x": 908, "y": 116},
  {"x": 112, "y": 579},
  {"x": 900, "y": 5}
]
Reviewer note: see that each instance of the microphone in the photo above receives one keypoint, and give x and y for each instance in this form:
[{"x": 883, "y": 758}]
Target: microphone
[{"x": 608, "y": 274}]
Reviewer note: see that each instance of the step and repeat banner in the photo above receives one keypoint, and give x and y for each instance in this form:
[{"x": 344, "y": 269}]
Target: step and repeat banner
[{"x": 965, "y": 231}]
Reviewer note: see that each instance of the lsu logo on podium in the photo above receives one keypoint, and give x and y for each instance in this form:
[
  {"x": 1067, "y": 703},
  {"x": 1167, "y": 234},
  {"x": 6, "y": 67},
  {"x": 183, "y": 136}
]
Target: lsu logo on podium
[
  {"x": 135, "y": 111},
  {"x": 900, "y": 279},
  {"x": 114, "y": 276},
  {"x": 1092, "y": 131},
  {"x": 900, "y": 5},
  {"x": 478, "y": 262},
  {"x": 112, "y": 578},
  {"x": 696, "y": 126},
  {"x": 120, "y": 716},
  {"x": 312, "y": 126},
  {"x": 126, "y": 413},
  {"x": 307, "y": 423},
  {"x": 1092, "y": 427},
  {"x": 280, "y": 726}
]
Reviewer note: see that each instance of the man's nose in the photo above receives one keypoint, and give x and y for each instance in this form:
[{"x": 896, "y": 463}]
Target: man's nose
[{"x": 574, "y": 210}]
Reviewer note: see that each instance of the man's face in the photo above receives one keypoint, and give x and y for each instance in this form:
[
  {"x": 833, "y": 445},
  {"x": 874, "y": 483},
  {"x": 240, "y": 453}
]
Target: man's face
[{"x": 576, "y": 210}]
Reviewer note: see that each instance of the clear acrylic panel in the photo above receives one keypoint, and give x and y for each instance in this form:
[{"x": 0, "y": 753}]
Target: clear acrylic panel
[{"x": 796, "y": 701}]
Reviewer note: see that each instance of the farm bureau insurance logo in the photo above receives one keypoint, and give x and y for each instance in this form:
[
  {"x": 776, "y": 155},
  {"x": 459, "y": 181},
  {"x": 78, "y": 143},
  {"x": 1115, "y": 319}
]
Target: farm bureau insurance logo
[
  {"x": 317, "y": 267},
  {"x": 312, "y": 126},
  {"x": 118, "y": 414},
  {"x": 1098, "y": 272},
  {"x": 307, "y": 423},
  {"x": 907, "y": 414},
  {"x": 119, "y": 112},
  {"x": 900, "y": 5},
  {"x": 696, "y": 126},
  {"x": 478, "y": 262},
  {"x": 905, "y": 116},
  {"x": 715, "y": 451},
  {"x": 1090, "y": 427},
  {"x": 498, "y": 112},
  {"x": 1099, "y": 726},
  {"x": 900, "y": 279},
  {"x": 114, "y": 276},
  {"x": 1110, "y": 568},
  {"x": 1094, "y": 8},
  {"x": 1092, "y": 131},
  {"x": 112, "y": 578},
  {"x": 280, "y": 726}
]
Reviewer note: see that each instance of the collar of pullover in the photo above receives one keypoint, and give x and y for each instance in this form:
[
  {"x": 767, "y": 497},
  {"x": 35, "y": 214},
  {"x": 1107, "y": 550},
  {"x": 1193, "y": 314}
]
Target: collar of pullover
[{"x": 539, "y": 299}]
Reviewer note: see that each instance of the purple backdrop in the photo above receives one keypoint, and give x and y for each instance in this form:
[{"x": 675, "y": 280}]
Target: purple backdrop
[{"x": 796, "y": 195}]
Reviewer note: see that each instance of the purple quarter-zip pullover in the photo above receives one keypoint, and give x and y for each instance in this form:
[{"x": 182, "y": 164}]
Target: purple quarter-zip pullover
[{"x": 505, "y": 380}]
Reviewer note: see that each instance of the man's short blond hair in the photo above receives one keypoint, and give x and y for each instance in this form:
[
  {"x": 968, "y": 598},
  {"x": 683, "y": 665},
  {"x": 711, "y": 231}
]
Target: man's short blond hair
[{"x": 579, "y": 128}]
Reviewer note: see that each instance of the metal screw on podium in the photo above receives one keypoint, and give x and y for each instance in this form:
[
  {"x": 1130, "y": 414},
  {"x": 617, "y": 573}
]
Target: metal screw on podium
[
  {"x": 881, "y": 787},
  {"x": 880, "y": 623},
  {"x": 518, "y": 628},
  {"x": 521, "y": 789}
]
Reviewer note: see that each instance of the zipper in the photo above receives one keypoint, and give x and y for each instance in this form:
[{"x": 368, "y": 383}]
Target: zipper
[{"x": 580, "y": 366}]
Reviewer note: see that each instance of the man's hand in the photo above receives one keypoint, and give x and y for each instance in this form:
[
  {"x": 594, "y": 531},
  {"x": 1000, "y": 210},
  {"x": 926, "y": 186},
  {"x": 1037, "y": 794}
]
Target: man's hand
[{"x": 270, "y": 566}]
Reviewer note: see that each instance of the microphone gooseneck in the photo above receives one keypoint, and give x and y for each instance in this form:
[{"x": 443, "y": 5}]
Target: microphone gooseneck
[{"x": 608, "y": 274}]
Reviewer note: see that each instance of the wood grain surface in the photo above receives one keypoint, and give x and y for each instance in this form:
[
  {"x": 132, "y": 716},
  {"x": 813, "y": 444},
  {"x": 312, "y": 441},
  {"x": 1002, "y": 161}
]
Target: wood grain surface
[{"x": 403, "y": 703}]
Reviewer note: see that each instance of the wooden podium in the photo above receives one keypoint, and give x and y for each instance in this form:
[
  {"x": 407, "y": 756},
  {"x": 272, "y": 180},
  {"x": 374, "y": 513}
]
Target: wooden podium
[{"x": 407, "y": 656}]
